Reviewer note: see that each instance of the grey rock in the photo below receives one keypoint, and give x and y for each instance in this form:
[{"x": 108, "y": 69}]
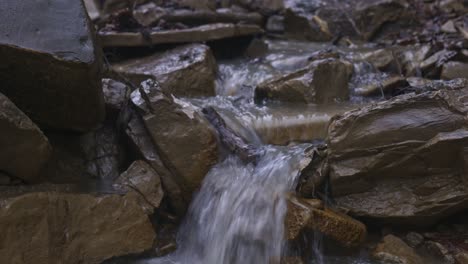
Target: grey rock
[{"x": 454, "y": 70}]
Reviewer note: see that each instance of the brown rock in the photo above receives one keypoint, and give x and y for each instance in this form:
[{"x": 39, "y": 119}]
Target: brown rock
[
  {"x": 462, "y": 257},
  {"x": 453, "y": 70},
  {"x": 57, "y": 83},
  {"x": 209, "y": 32},
  {"x": 184, "y": 71},
  {"x": 394, "y": 250},
  {"x": 142, "y": 181},
  {"x": 24, "y": 148},
  {"x": 323, "y": 81},
  {"x": 183, "y": 137},
  {"x": 401, "y": 161},
  {"x": 60, "y": 227},
  {"x": 303, "y": 217},
  {"x": 144, "y": 146}
]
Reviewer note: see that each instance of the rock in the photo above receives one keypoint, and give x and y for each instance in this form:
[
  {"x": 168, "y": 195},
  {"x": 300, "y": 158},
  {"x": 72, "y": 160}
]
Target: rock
[
  {"x": 184, "y": 71},
  {"x": 141, "y": 179},
  {"x": 462, "y": 257},
  {"x": 414, "y": 239},
  {"x": 412, "y": 58},
  {"x": 57, "y": 83},
  {"x": 110, "y": 6},
  {"x": 264, "y": 6},
  {"x": 63, "y": 227},
  {"x": 148, "y": 14},
  {"x": 401, "y": 161},
  {"x": 115, "y": 95},
  {"x": 24, "y": 148},
  {"x": 383, "y": 86},
  {"x": 223, "y": 15},
  {"x": 183, "y": 137},
  {"x": 440, "y": 251},
  {"x": 370, "y": 16},
  {"x": 455, "y": 6},
  {"x": 142, "y": 143},
  {"x": 291, "y": 260},
  {"x": 103, "y": 152},
  {"x": 92, "y": 8},
  {"x": 323, "y": 81},
  {"x": 430, "y": 66},
  {"x": 394, "y": 250},
  {"x": 275, "y": 24},
  {"x": 453, "y": 70},
  {"x": 300, "y": 24},
  {"x": 449, "y": 27},
  {"x": 304, "y": 217},
  {"x": 382, "y": 59},
  {"x": 209, "y": 32},
  {"x": 197, "y": 4}
]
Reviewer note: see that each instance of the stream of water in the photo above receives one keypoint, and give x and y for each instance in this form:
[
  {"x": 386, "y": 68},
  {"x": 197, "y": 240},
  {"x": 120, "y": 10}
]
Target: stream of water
[{"x": 237, "y": 217}]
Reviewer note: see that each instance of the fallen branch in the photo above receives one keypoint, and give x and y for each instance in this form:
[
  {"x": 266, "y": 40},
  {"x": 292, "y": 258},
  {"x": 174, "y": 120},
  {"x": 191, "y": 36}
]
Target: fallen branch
[{"x": 246, "y": 152}]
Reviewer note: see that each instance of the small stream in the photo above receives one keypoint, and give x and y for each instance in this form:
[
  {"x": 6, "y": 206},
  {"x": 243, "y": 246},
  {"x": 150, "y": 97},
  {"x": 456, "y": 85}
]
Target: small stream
[{"x": 237, "y": 217}]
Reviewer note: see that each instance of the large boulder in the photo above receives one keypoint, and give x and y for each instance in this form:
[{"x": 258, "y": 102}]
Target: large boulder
[
  {"x": 50, "y": 65},
  {"x": 58, "y": 226},
  {"x": 324, "y": 81},
  {"x": 24, "y": 148},
  {"x": 184, "y": 71},
  {"x": 402, "y": 160},
  {"x": 182, "y": 136}
]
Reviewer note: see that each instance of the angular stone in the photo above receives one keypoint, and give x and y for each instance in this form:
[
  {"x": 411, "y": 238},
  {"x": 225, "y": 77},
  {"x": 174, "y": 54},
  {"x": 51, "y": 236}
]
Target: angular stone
[
  {"x": 50, "y": 65},
  {"x": 275, "y": 24},
  {"x": 394, "y": 250},
  {"x": 115, "y": 94},
  {"x": 462, "y": 257},
  {"x": 453, "y": 70},
  {"x": 143, "y": 145},
  {"x": 197, "y": 4},
  {"x": 209, "y": 32},
  {"x": 63, "y": 227},
  {"x": 184, "y": 71},
  {"x": 323, "y": 81},
  {"x": 300, "y": 24},
  {"x": 304, "y": 217},
  {"x": 141, "y": 180},
  {"x": 370, "y": 16},
  {"x": 182, "y": 136},
  {"x": 265, "y": 6},
  {"x": 24, "y": 148},
  {"x": 402, "y": 161}
]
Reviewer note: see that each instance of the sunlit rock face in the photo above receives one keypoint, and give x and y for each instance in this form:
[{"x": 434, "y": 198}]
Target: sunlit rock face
[
  {"x": 50, "y": 65},
  {"x": 402, "y": 160}
]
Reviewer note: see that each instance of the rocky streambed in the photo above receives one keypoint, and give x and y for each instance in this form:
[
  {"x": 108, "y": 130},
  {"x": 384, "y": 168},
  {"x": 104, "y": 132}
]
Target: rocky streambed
[{"x": 262, "y": 131}]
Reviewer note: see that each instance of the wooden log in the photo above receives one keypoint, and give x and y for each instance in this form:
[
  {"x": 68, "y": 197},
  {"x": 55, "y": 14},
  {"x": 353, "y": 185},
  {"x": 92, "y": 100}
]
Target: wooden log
[{"x": 237, "y": 145}]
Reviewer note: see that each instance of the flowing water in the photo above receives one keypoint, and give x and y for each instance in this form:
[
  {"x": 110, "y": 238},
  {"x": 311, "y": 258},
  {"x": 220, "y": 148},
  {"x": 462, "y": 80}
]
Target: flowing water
[{"x": 237, "y": 217}]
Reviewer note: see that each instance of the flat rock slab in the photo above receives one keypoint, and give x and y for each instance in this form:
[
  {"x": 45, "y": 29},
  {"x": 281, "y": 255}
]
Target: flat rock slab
[
  {"x": 184, "y": 71},
  {"x": 24, "y": 148},
  {"x": 196, "y": 34},
  {"x": 402, "y": 161},
  {"x": 42, "y": 227},
  {"x": 50, "y": 67}
]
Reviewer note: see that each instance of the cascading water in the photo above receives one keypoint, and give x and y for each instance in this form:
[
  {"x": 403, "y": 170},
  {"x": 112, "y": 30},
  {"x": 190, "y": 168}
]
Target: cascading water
[{"x": 238, "y": 215}]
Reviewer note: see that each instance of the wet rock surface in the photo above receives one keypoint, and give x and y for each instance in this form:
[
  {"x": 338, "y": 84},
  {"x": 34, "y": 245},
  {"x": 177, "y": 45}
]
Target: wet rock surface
[
  {"x": 183, "y": 138},
  {"x": 389, "y": 164},
  {"x": 394, "y": 250},
  {"x": 24, "y": 148},
  {"x": 184, "y": 71},
  {"x": 60, "y": 226},
  {"x": 51, "y": 71},
  {"x": 323, "y": 82},
  {"x": 308, "y": 216}
]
